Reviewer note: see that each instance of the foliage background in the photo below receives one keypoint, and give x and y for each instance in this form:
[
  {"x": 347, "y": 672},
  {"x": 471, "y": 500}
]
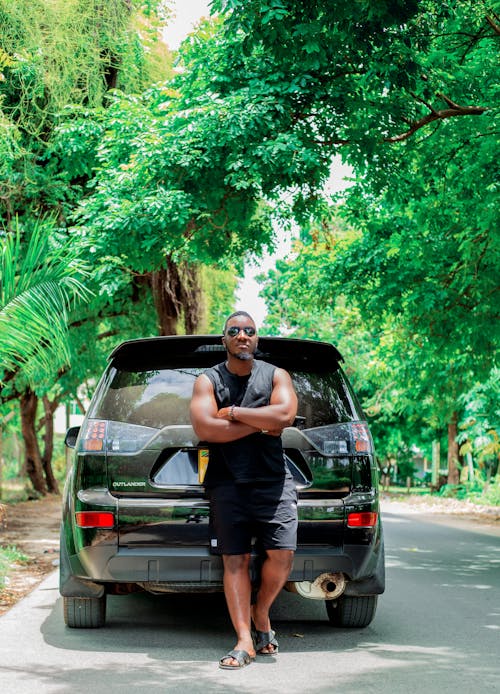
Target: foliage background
[{"x": 163, "y": 172}]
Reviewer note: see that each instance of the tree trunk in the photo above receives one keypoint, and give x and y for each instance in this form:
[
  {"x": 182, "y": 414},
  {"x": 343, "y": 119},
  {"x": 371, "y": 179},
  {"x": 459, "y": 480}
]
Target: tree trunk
[
  {"x": 33, "y": 460},
  {"x": 436, "y": 464},
  {"x": 48, "y": 444},
  {"x": 191, "y": 299},
  {"x": 164, "y": 284},
  {"x": 176, "y": 293},
  {"x": 453, "y": 471},
  {"x": 5, "y": 421}
]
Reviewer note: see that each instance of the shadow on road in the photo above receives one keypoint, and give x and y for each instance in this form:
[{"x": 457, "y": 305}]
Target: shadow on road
[{"x": 191, "y": 625}]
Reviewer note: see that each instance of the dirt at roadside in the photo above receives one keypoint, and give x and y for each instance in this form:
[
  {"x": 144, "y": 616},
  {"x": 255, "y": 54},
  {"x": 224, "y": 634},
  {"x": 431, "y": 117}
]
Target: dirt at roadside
[
  {"x": 426, "y": 504},
  {"x": 33, "y": 527}
]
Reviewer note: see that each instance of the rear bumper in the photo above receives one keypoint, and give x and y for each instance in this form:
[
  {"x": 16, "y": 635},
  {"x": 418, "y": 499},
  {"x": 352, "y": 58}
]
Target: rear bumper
[
  {"x": 194, "y": 569},
  {"x": 93, "y": 559}
]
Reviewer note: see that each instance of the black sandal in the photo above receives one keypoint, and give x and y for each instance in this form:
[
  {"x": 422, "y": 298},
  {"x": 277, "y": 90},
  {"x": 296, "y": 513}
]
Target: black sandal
[
  {"x": 243, "y": 658},
  {"x": 263, "y": 639}
]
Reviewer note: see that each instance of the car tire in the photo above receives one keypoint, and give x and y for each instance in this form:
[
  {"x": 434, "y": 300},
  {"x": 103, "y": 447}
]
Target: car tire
[
  {"x": 85, "y": 613},
  {"x": 352, "y": 612}
]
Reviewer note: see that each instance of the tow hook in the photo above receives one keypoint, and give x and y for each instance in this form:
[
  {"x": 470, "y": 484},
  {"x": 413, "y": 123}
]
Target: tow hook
[{"x": 327, "y": 586}]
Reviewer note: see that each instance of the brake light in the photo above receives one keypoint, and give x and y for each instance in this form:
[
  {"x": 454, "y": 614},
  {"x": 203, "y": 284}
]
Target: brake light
[
  {"x": 94, "y": 436},
  {"x": 366, "y": 519},
  {"x": 114, "y": 438},
  {"x": 95, "y": 519},
  {"x": 362, "y": 439}
]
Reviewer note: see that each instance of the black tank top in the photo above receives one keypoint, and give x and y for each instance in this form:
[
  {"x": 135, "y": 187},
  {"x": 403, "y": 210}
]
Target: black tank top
[{"x": 254, "y": 458}]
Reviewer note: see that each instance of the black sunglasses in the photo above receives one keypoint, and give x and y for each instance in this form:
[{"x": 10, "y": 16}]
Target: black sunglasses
[{"x": 233, "y": 331}]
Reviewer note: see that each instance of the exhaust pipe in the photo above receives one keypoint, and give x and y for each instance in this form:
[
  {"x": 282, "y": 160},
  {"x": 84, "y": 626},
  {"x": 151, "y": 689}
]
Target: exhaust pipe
[{"x": 327, "y": 586}]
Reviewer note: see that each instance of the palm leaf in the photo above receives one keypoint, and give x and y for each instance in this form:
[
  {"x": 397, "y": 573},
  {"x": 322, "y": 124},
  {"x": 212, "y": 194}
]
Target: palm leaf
[{"x": 39, "y": 282}]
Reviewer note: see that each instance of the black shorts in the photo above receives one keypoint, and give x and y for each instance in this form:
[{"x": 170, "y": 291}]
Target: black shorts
[{"x": 266, "y": 512}]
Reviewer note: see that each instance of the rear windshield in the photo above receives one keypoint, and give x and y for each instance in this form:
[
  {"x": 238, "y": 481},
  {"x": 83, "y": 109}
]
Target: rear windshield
[{"x": 161, "y": 397}]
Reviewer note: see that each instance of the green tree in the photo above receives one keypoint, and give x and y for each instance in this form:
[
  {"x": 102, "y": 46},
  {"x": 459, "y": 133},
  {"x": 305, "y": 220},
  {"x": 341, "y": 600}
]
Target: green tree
[
  {"x": 219, "y": 292},
  {"x": 414, "y": 344},
  {"x": 267, "y": 94},
  {"x": 54, "y": 54},
  {"x": 349, "y": 76},
  {"x": 406, "y": 93},
  {"x": 426, "y": 264},
  {"x": 161, "y": 204}
]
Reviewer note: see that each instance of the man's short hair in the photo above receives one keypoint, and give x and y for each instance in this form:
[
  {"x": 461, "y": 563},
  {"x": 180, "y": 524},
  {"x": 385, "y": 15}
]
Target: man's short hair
[{"x": 233, "y": 315}]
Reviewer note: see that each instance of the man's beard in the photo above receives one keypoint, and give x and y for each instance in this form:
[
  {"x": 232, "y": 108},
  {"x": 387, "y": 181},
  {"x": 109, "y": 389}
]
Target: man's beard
[{"x": 244, "y": 356}]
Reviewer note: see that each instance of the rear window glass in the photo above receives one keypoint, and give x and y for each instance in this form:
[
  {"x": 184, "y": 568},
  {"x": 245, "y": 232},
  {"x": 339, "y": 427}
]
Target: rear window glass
[
  {"x": 161, "y": 397},
  {"x": 325, "y": 398},
  {"x": 154, "y": 398}
]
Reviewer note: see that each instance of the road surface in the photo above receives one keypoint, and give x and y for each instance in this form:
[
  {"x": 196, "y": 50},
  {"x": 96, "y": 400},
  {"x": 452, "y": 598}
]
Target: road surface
[{"x": 437, "y": 630}]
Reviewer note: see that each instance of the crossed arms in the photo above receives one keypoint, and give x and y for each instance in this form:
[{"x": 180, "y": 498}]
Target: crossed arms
[{"x": 232, "y": 423}]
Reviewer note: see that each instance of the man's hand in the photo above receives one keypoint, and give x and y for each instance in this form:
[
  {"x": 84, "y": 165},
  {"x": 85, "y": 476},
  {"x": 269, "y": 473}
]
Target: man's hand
[
  {"x": 272, "y": 432},
  {"x": 227, "y": 414}
]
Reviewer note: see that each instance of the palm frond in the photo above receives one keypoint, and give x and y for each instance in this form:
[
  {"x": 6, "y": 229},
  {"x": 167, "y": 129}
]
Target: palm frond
[{"x": 39, "y": 282}]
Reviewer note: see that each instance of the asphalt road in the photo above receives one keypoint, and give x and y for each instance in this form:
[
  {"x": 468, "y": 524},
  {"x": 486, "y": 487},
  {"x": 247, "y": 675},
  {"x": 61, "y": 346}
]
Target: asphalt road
[{"x": 437, "y": 629}]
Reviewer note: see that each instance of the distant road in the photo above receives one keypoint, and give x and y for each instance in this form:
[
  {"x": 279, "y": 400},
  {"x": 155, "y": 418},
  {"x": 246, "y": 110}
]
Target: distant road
[{"x": 437, "y": 630}]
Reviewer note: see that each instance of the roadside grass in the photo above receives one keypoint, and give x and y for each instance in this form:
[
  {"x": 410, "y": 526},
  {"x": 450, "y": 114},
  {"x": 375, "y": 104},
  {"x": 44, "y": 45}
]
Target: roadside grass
[
  {"x": 8, "y": 557},
  {"x": 479, "y": 493},
  {"x": 405, "y": 491}
]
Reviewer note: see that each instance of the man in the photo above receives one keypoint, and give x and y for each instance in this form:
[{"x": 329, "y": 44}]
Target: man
[{"x": 240, "y": 407}]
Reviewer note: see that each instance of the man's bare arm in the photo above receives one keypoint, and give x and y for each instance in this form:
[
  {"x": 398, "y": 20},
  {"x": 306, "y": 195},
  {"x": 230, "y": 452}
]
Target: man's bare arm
[
  {"x": 206, "y": 424},
  {"x": 280, "y": 412}
]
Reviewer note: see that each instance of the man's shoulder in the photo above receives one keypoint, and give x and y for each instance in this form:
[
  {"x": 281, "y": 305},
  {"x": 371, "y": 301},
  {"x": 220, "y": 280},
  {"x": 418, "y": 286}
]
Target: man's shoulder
[
  {"x": 264, "y": 365},
  {"x": 265, "y": 368},
  {"x": 216, "y": 367},
  {"x": 214, "y": 372}
]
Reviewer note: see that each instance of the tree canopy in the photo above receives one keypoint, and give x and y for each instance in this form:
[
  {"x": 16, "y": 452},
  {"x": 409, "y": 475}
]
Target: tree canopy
[{"x": 160, "y": 174}]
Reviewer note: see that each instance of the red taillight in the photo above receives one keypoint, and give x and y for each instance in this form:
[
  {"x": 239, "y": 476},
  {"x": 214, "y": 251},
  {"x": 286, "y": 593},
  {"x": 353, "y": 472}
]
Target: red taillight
[
  {"x": 362, "y": 439},
  {"x": 367, "y": 519},
  {"x": 95, "y": 519},
  {"x": 93, "y": 438}
]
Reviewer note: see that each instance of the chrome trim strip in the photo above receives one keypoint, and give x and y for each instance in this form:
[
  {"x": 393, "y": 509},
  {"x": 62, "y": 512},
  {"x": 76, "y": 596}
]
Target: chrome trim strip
[{"x": 102, "y": 497}]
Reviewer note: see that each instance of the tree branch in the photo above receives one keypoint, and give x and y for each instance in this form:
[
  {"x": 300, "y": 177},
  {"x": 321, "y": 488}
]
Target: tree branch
[
  {"x": 450, "y": 103},
  {"x": 451, "y": 112},
  {"x": 493, "y": 25},
  {"x": 422, "y": 101}
]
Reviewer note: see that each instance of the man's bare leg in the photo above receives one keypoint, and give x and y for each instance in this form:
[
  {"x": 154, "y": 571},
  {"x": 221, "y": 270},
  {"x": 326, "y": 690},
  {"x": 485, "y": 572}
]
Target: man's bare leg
[
  {"x": 275, "y": 571},
  {"x": 237, "y": 589}
]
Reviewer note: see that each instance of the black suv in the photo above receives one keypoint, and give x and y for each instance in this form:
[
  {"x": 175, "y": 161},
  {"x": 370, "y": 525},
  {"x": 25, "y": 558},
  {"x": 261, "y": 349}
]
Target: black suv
[{"x": 135, "y": 515}]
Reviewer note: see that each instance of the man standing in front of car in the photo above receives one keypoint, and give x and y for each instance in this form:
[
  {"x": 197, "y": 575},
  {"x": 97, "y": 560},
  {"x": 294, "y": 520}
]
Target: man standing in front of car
[{"x": 240, "y": 408}]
